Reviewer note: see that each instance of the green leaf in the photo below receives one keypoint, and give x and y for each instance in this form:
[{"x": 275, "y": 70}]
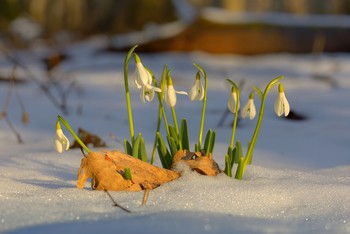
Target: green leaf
[
  {"x": 240, "y": 169},
  {"x": 135, "y": 150},
  {"x": 142, "y": 150},
  {"x": 163, "y": 153},
  {"x": 127, "y": 147},
  {"x": 212, "y": 142},
  {"x": 230, "y": 154},
  {"x": 209, "y": 142},
  {"x": 127, "y": 173},
  {"x": 237, "y": 154},
  {"x": 184, "y": 135},
  {"x": 172, "y": 145},
  {"x": 196, "y": 148},
  {"x": 228, "y": 167},
  {"x": 173, "y": 134}
]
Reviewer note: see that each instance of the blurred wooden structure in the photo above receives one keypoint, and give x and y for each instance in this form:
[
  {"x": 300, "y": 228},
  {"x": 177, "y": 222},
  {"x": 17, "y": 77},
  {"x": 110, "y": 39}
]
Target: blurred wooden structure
[
  {"x": 82, "y": 18},
  {"x": 251, "y": 39},
  {"x": 287, "y": 6}
]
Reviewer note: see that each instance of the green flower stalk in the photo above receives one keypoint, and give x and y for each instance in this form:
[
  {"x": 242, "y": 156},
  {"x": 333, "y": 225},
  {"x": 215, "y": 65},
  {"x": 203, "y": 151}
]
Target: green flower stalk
[
  {"x": 248, "y": 158},
  {"x": 127, "y": 93},
  {"x": 170, "y": 99},
  {"x": 204, "y": 106},
  {"x": 161, "y": 112},
  {"x": 60, "y": 119},
  {"x": 234, "y": 105}
]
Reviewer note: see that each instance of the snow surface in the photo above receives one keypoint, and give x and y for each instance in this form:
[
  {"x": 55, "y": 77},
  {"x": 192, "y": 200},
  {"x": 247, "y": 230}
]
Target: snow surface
[{"x": 299, "y": 181}]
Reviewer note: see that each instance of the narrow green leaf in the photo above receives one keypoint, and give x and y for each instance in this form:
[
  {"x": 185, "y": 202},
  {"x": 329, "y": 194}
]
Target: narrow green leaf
[
  {"x": 231, "y": 153},
  {"x": 212, "y": 142},
  {"x": 127, "y": 147},
  {"x": 163, "y": 153},
  {"x": 127, "y": 173},
  {"x": 172, "y": 146},
  {"x": 135, "y": 150},
  {"x": 206, "y": 141},
  {"x": 173, "y": 134},
  {"x": 184, "y": 135},
  {"x": 238, "y": 152},
  {"x": 240, "y": 169},
  {"x": 209, "y": 142},
  {"x": 196, "y": 148},
  {"x": 142, "y": 150},
  {"x": 228, "y": 167}
]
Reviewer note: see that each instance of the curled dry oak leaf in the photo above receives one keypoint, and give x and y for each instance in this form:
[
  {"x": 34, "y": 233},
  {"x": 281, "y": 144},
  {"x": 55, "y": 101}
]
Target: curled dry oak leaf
[
  {"x": 107, "y": 172},
  {"x": 88, "y": 139},
  {"x": 198, "y": 162}
]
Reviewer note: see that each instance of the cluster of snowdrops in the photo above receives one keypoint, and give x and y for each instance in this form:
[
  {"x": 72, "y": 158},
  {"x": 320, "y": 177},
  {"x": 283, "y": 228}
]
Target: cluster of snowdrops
[{"x": 177, "y": 136}]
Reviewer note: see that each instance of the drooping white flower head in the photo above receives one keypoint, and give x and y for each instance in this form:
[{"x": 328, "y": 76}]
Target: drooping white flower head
[
  {"x": 249, "y": 108},
  {"x": 233, "y": 102},
  {"x": 144, "y": 82},
  {"x": 170, "y": 93},
  {"x": 196, "y": 92},
  {"x": 61, "y": 142},
  {"x": 281, "y": 104},
  {"x": 146, "y": 94},
  {"x": 143, "y": 77}
]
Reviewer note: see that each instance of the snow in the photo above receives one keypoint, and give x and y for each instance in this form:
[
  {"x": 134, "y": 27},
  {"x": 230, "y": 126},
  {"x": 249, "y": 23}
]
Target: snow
[{"x": 299, "y": 181}]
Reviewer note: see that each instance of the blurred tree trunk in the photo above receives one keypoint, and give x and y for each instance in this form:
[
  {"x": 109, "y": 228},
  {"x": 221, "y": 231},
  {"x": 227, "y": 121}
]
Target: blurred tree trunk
[
  {"x": 95, "y": 16},
  {"x": 57, "y": 15}
]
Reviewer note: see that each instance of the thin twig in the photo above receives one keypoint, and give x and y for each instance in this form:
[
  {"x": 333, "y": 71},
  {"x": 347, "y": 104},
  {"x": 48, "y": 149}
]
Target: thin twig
[
  {"x": 3, "y": 113},
  {"x": 43, "y": 87},
  {"x": 145, "y": 197},
  {"x": 19, "y": 138},
  {"x": 115, "y": 203}
]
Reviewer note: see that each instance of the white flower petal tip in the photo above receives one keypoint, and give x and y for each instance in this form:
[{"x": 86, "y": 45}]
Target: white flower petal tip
[
  {"x": 146, "y": 94},
  {"x": 61, "y": 142},
  {"x": 281, "y": 105},
  {"x": 249, "y": 109},
  {"x": 232, "y": 102},
  {"x": 170, "y": 95},
  {"x": 196, "y": 92}
]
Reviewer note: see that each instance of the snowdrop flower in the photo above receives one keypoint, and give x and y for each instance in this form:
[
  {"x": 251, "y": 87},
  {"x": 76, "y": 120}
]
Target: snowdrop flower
[
  {"x": 232, "y": 102},
  {"x": 146, "y": 94},
  {"x": 249, "y": 108},
  {"x": 170, "y": 93},
  {"x": 143, "y": 77},
  {"x": 281, "y": 103},
  {"x": 61, "y": 142},
  {"x": 196, "y": 92}
]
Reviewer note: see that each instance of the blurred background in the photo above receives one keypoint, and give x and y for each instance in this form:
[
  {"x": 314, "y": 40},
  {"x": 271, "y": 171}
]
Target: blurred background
[{"x": 214, "y": 26}]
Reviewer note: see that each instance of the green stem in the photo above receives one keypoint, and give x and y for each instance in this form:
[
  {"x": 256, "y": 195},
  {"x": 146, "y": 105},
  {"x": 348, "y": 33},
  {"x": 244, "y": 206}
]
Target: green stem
[
  {"x": 159, "y": 120},
  {"x": 173, "y": 113},
  {"x": 69, "y": 128},
  {"x": 251, "y": 147},
  {"x": 161, "y": 113},
  {"x": 127, "y": 94},
  {"x": 234, "y": 126},
  {"x": 204, "y": 106}
]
